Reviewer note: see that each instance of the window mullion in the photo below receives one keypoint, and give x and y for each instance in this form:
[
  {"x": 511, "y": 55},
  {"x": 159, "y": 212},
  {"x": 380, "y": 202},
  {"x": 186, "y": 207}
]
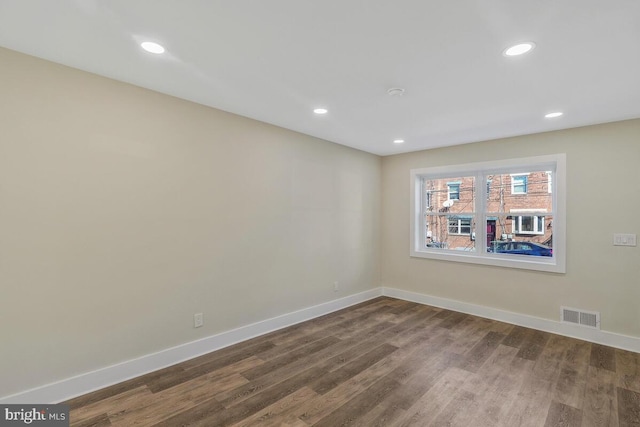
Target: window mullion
[{"x": 480, "y": 212}]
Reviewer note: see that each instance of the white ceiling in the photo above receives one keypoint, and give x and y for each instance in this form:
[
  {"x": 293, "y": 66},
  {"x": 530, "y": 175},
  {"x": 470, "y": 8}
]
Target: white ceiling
[{"x": 276, "y": 60}]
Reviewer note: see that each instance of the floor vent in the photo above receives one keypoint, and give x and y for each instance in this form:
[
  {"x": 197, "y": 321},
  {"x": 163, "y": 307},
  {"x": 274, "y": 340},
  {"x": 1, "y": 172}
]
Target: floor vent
[{"x": 590, "y": 319}]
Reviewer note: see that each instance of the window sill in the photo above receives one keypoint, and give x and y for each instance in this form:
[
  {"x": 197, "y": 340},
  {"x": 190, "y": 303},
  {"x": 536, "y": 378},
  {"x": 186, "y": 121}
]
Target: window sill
[{"x": 525, "y": 262}]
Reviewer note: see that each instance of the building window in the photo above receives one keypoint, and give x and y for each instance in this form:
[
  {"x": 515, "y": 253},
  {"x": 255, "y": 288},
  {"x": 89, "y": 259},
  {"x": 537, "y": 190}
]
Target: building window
[
  {"x": 459, "y": 225},
  {"x": 549, "y": 175},
  {"x": 454, "y": 219},
  {"x": 454, "y": 190},
  {"x": 519, "y": 183},
  {"x": 528, "y": 225}
]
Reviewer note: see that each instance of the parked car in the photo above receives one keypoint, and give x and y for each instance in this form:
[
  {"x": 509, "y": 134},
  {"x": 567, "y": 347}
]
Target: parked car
[{"x": 520, "y": 248}]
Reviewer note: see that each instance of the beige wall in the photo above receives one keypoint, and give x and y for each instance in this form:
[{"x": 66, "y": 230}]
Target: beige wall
[
  {"x": 603, "y": 197},
  {"x": 123, "y": 212}
]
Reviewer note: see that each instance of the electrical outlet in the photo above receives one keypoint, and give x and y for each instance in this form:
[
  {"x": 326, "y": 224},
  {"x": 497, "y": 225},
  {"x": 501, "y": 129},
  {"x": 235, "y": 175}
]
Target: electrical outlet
[
  {"x": 198, "y": 320},
  {"x": 336, "y": 286}
]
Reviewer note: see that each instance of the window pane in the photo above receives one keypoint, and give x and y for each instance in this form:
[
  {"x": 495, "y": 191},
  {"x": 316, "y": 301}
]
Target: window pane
[
  {"x": 450, "y": 195},
  {"x": 451, "y": 232},
  {"x": 519, "y": 184},
  {"x": 526, "y": 224},
  {"x": 532, "y": 202},
  {"x": 503, "y": 240}
]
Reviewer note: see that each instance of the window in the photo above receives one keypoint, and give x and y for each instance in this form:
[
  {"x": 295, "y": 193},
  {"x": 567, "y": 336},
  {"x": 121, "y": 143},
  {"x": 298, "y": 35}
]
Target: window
[
  {"x": 466, "y": 213},
  {"x": 459, "y": 225},
  {"x": 454, "y": 190},
  {"x": 519, "y": 184},
  {"x": 528, "y": 225}
]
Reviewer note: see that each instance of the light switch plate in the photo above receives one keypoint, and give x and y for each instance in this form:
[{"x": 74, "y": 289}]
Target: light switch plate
[{"x": 624, "y": 239}]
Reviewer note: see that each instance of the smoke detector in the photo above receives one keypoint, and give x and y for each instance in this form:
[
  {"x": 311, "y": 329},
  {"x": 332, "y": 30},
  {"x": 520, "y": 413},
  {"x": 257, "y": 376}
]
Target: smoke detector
[{"x": 395, "y": 91}]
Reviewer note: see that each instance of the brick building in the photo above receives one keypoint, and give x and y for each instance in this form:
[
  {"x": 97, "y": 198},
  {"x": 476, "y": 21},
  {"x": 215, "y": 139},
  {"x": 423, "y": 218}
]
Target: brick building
[{"x": 519, "y": 208}]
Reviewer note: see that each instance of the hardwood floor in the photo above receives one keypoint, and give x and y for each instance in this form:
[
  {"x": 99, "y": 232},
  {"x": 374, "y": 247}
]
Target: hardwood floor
[{"x": 384, "y": 362}]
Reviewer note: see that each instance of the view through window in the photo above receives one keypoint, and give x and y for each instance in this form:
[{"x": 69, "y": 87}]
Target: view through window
[{"x": 503, "y": 211}]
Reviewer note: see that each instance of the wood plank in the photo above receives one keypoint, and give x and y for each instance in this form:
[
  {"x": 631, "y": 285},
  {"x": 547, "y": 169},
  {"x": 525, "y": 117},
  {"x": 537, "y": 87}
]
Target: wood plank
[
  {"x": 496, "y": 384},
  {"x": 271, "y": 416},
  {"x": 600, "y": 407},
  {"x": 457, "y": 411},
  {"x": 480, "y": 352},
  {"x": 628, "y": 370},
  {"x": 262, "y": 400},
  {"x": 101, "y": 420},
  {"x": 432, "y": 403},
  {"x": 533, "y": 345},
  {"x": 469, "y": 333},
  {"x": 214, "y": 363},
  {"x": 531, "y": 404},
  {"x": 358, "y": 406},
  {"x": 453, "y": 320},
  {"x": 334, "y": 378},
  {"x": 516, "y": 337},
  {"x": 175, "y": 400},
  {"x": 628, "y": 407},
  {"x": 122, "y": 387},
  {"x": 317, "y": 409},
  {"x": 203, "y": 411},
  {"x": 413, "y": 385},
  {"x": 125, "y": 401},
  {"x": 561, "y": 415},
  {"x": 290, "y": 357},
  {"x": 327, "y": 358},
  {"x": 603, "y": 357}
]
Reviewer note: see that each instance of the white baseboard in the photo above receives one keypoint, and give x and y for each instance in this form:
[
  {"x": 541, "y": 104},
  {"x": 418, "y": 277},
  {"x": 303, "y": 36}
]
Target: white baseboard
[
  {"x": 556, "y": 327},
  {"x": 104, "y": 377}
]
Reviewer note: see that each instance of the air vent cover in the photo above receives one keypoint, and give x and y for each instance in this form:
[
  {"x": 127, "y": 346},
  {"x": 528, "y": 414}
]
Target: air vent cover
[{"x": 590, "y": 319}]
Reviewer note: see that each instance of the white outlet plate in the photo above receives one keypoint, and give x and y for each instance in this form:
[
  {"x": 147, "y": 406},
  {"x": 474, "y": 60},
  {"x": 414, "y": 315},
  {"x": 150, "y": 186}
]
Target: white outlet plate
[
  {"x": 624, "y": 239},
  {"x": 198, "y": 320},
  {"x": 336, "y": 286}
]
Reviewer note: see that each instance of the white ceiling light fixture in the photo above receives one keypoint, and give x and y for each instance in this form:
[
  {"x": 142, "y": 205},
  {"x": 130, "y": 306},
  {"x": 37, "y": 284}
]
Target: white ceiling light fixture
[
  {"x": 519, "y": 49},
  {"x": 398, "y": 141},
  {"x": 553, "y": 115},
  {"x": 320, "y": 111},
  {"x": 153, "y": 47}
]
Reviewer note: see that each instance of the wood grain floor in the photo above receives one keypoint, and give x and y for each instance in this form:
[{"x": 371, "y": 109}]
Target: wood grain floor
[{"x": 384, "y": 362}]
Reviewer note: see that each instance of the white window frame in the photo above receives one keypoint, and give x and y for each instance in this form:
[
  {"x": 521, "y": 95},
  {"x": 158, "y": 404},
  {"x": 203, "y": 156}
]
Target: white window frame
[
  {"x": 513, "y": 184},
  {"x": 516, "y": 225},
  {"x": 555, "y": 163},
  {"x": 457, "y": 184},
  {"x": 459, "y": 226}
]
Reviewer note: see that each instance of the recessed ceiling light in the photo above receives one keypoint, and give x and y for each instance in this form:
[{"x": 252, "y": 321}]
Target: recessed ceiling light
[
  {"x": 398, "y": 141},
  {"x": 554, "y": 114},
  {"x": 152, "y": 47},
  {"x": 519, "y": 49},
  {"x": 321, "y": 111},
  {"x": 395, "y": 91}
]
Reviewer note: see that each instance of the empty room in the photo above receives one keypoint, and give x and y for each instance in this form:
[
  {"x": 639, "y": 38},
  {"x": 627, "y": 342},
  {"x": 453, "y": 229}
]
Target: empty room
[{"x": 294, "y": 213}]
